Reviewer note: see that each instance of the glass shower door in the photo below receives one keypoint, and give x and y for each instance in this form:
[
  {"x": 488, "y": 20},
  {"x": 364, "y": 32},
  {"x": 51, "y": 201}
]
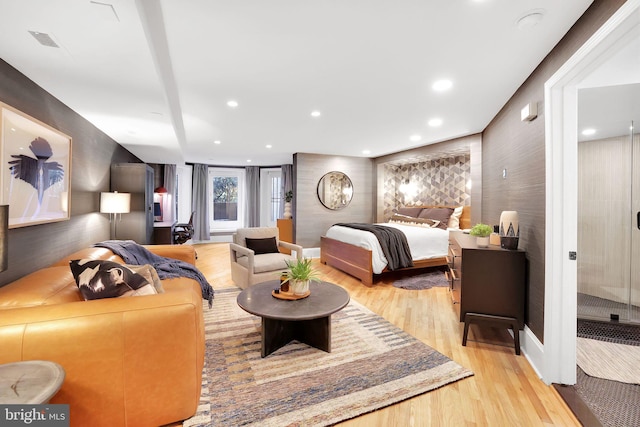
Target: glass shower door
[
  {"x": 608, "y": 266},
  {"x": 634, "y": 294}
]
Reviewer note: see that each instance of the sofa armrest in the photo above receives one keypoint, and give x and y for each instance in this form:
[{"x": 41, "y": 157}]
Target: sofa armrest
[
  {"x": 185, "y": 253},
  {"x": 150, "y": 347},
  {"x": 293, "y": 247}
]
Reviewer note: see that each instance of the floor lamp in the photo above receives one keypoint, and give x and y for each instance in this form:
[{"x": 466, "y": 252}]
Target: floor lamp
[{"x": 115, "y": 204}]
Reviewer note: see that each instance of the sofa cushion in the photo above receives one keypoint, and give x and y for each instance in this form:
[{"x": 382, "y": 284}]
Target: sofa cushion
[
  {"x": 149, "y": 273},
  {"x": 50, "y": 285},
  {"x": 265, "y": 245},
  {"x": 267, "y": 262},
  {"x": 107, "y": 279}
]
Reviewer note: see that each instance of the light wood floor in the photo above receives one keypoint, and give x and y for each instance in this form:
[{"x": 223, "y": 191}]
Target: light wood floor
[{"x": 505, "y": 390}]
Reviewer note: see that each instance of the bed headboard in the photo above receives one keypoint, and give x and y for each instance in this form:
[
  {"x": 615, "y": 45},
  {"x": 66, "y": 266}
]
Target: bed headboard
[{"x": 465, "y": 217}]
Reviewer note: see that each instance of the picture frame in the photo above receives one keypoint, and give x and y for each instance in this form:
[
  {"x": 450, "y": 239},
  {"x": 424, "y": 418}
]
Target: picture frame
[{"x": 35, "y": 169}]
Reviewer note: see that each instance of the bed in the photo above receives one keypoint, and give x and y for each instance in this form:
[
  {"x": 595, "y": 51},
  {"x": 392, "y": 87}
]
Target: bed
[{"x": 355, "y": 253}]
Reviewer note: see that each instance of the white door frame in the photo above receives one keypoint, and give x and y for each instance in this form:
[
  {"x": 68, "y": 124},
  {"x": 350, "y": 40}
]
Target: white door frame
[{"x": 558, "y": 358}]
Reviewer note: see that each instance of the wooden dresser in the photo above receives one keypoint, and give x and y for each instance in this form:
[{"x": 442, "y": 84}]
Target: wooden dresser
[
  {"x": 285, "y": 232},
  {"x": 488, "y": 284}
]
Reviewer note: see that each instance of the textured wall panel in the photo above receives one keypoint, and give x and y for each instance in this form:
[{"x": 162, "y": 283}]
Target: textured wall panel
[
  {"x": 310, "y": 218},
  {"x": 433, "y": 182}
]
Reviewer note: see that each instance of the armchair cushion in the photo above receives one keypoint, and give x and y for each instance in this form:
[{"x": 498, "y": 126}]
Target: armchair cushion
[
  {"x": 266, "y": 245},
  {"x": 267, "y": 262}
]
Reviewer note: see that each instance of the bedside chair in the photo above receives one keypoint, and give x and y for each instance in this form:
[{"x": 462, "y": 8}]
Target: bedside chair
[{"x": 255, "y": 255}]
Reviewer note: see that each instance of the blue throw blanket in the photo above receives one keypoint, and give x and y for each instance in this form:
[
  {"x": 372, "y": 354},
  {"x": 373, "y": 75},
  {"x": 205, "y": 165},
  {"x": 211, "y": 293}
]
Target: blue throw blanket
[{"x": 167, "y": 268}]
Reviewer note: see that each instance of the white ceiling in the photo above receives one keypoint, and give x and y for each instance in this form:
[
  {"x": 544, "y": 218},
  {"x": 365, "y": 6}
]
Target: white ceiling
[
  {"x": 609, "y": 97},
  {"x": 156, "y": 75}
]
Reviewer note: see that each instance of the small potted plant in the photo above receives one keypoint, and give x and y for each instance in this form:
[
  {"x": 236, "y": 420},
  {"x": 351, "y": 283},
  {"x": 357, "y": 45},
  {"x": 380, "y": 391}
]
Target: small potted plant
[
  {"x": 481, "y": 232},
  {"x": 299, "y": 274}
]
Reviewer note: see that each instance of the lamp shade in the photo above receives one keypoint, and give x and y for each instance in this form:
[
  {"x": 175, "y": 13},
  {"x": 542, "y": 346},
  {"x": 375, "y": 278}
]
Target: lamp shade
[
  {"x": 4, "y": 239},
  {"x": 115, "y": 202},
  {"x": 161, "y": 190}
]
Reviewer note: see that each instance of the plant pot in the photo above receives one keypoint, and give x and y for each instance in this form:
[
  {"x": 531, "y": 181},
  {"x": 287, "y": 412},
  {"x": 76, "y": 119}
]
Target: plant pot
[
  {"x": 482, "y": 242},
  {"x": 299, "y": 287}
]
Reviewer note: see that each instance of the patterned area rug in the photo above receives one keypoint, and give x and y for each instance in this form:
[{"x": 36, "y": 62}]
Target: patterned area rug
[
  {"x": 372, "y": 364},
  {"x": 427, "y": 280}
]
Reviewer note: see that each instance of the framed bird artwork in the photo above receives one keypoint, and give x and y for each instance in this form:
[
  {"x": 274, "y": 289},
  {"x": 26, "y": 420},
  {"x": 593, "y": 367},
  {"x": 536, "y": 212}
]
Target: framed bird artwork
[{"x": 35, "y": 172}]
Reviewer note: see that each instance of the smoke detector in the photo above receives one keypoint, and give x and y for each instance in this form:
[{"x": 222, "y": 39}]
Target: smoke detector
[{"x": 530, "y": 19}]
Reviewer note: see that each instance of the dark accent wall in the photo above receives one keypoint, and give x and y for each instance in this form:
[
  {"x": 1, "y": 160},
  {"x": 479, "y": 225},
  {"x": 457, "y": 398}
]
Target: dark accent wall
[
  {"x": 310, "y": 218},
  {"x": 36, "y": 246},
  {"x": 519, "y": 147}
]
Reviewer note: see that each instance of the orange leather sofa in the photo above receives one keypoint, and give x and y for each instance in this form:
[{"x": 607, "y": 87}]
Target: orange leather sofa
[{"x": 129, "y": 361}]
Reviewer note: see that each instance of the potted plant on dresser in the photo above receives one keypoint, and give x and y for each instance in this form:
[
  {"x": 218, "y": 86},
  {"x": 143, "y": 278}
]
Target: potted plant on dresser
[{"x": 481, "y": 232}]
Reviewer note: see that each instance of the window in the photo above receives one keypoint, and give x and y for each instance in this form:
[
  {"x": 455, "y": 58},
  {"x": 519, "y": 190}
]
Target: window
[
  {"x": 270, "y": 196},
  {"x": 226, "y": 193}
]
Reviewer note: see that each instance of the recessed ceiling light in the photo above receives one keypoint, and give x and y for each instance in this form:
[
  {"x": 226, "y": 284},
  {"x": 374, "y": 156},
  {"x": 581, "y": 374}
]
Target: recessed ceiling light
[
  {"x": 316, "y": 113},
  {"x": 366, "y": 151},
  {"x": 232, "y": 103},
  {"x": 530, "y": 19},
  {"x": 588, "y": 132},
  {"x": 442, "y": 85},
  {"x": 248, "y": 160},
  {"x": 434, "y": 122},
  {"x": 415, "y": 138},
  {"x": 217, "y": 142},
  {"x": 268, "y": 145}
]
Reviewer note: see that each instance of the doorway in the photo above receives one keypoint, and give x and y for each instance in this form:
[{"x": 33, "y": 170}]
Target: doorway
[{"x": 556, "y": 359}]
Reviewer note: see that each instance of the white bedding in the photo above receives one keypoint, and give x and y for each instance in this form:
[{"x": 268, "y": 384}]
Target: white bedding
[{"x": 425, "y": 243}]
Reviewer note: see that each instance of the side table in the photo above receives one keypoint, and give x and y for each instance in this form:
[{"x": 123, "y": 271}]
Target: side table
[{"x": 30, "y": 382}]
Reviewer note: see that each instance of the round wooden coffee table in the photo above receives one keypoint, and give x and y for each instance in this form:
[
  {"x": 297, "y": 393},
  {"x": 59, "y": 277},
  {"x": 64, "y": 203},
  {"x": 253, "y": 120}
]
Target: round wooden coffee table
[
  {"x": 307, "y": 320},
  {"x": 30, "y": 381}
]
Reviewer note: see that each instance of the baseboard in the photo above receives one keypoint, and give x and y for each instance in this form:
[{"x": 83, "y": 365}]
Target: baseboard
[
  {"x": 311, "y": 252},
  {"x": 533, "y": 350}
]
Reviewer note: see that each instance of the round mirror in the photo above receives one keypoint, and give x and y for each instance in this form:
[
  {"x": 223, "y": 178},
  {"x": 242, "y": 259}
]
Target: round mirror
[{"x": 335, "y": 190}]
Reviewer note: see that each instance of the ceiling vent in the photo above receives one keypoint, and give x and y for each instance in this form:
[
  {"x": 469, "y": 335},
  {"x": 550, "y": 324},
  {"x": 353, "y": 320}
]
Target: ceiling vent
[{"x": 44, "y": 39}]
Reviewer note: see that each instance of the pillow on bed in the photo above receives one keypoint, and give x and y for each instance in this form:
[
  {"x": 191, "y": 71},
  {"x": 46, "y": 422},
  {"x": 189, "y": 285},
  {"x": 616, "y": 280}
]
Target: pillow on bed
[
  {"x": 409, "y": 220},
  {"x": 454, "y": 220},
  {"x": 438, "y": 214},
  {"x": 409, "y": 211}
]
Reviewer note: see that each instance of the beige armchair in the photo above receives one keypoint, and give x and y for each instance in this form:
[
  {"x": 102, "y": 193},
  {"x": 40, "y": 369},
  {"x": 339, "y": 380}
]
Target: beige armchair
[{"x": 249, "y": 267}]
